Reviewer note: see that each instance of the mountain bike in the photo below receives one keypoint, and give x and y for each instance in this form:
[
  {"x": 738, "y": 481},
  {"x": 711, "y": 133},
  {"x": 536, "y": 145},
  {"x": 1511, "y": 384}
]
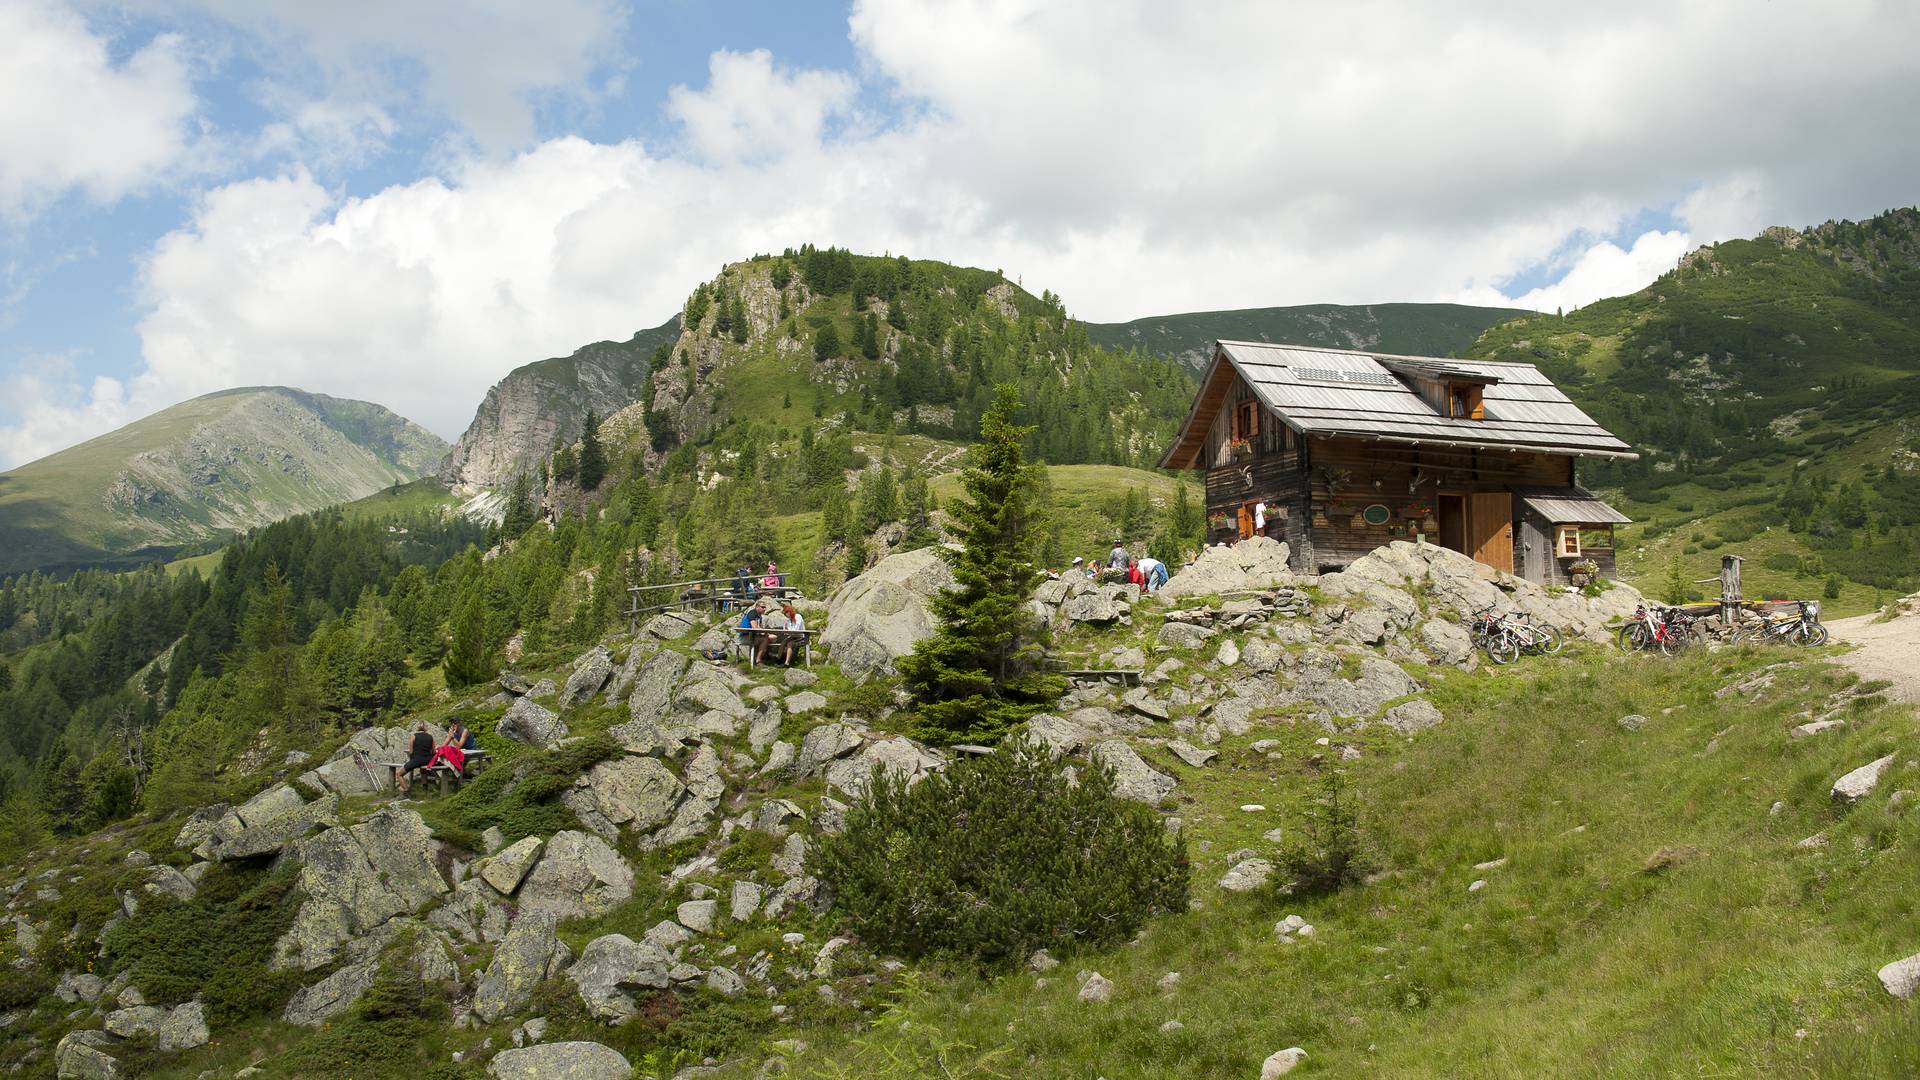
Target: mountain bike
[
  {"x": 1503, "y": 638},
  {"x": 1801, "y": 627},
  {"x": 1668, "y": 629}
]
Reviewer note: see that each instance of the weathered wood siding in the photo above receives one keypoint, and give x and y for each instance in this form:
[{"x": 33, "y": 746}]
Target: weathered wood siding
[{"x": 1540, "y": 561}]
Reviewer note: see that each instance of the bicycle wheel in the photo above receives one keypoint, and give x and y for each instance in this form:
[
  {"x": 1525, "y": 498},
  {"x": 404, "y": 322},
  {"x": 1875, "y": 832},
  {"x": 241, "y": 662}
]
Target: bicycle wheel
[
  {"x": 1632, "y": 636},
  {"x": 1503, "y": 649},
  {"x": 1810, "y": 634},
  {"x": 1549, "y": 640},
  {"x": 1673, "y": 644}
]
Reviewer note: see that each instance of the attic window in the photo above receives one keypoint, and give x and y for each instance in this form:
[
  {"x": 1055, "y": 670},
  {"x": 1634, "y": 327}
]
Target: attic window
[
  {"x": 1465, "y": 401},
  {"x": 1246, "y": 420},
  {"x": 1567, "y": 543}
]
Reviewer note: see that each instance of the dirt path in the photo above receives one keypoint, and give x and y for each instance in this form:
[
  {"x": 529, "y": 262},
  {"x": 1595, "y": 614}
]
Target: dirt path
[{"x": 1888, "y": 650}]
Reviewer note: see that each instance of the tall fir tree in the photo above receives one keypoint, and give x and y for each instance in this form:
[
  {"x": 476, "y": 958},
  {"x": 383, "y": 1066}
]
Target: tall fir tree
[
  {"x": 980, "y": 674},
  {"x": 470, "y": 657},
  {"x": 593, "y": 457},
  {"x": 826, "y": 344},
  {"x": 519, "y": 515}
]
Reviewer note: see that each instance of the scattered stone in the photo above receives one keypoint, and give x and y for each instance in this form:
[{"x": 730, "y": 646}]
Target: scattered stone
[
  {"x": 1478, "y": 884},
  {"x": 505, "y": 870},
  {"x": 184, "y": 1028},
  {"x": 1228, "y": 655},
  {"x": 697, "y": 915},
  {"x": 611, "y": 966},
  {"x": 823, "y": 961},
  {"x": 1253, "y": 564},
  {"x": 1169, "y": 982},
  {"x": 589, "y": 674},
  {"x": 529, "y": 722},
  {"x": 1133, "y": 778},
  {"x": 745, "y": 901},
  {"x": 1042, "y": 961},
  {"x": 726, "y": 982},
  {"x": 1171, "y": 1026},
  {"x": 1252, "y": 807},
  {"x": 879, "y": 616},
  {"x": 1491, "y": 864},
  {"x": 668, "y": 935},
  {"x": 1815, "y": 728},
  {"x": 530, "y": 954},
  {"x": 1902, "y": 977},
  {"x": 1176, "y": 635},
  {"x": 804, "y": 702},
  {"x": 1096, "y": 989},
  {"x": 1060, "y": 737},
  {"x": 1413, "y": 717},
  {"x": 1281, "y": 1063},
  {"x": 1861, "y": 781},
  {"x": 799, "y": 678},
  {"x": 550, "y": 1061},
  {"x": 79, "y": 1056},
  {"x": 1247, "y": 875},
  {"x": 1192, "y": 755},
  {"x": 578, "y": 875}
]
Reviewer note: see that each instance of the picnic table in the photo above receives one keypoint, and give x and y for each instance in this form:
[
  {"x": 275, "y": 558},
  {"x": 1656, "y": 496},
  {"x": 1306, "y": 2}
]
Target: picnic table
[
  {"x": 443, "y": 774},
  {"x": 806, "y": 642},
  {"x": 1125, "y": 676}
]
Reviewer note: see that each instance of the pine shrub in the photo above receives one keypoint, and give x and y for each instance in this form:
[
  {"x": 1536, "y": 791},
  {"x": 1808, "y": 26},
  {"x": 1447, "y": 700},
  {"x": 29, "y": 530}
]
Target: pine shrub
[
  {"x": 999, "y": 855},
  {"x": 1329, "y": 851}
]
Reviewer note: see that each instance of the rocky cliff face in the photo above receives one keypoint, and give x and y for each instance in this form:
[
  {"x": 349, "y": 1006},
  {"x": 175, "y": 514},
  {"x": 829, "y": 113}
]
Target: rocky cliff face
[{"x": 524, "y": 412}]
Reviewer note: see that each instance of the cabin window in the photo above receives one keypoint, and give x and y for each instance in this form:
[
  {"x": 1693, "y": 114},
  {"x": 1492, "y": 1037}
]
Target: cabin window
[
  {"x": 1246, "y": 420},
  {"x": 1465, "y": 401},
  {"x": 1567, "y": 543}
]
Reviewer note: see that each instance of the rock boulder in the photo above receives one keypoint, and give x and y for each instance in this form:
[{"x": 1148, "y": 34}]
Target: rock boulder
[{"x": 879, "y": 616}]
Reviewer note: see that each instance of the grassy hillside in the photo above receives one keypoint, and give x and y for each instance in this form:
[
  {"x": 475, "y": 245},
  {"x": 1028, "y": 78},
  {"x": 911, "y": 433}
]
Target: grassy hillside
[
  {"x": 200, "y": 470},
  {"x": 1773, "y": 387},
  {"x": 1418, "y": 329},
  {"x": 1649, "y": 916}
]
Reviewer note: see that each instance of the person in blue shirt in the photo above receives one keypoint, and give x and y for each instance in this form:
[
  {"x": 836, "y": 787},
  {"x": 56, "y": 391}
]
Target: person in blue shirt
[{"x": 749, "y": 621}]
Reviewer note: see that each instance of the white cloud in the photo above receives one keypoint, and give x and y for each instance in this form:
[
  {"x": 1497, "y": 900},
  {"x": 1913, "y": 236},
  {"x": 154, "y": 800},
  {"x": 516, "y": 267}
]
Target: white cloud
[
  {"x": 486, "y": 64},
  {"x": 1134, "y": 157},
  {"x": 71, "y": 117},
  {"x": 55, "y": 412},
  {"x": 751, "y": 110}
]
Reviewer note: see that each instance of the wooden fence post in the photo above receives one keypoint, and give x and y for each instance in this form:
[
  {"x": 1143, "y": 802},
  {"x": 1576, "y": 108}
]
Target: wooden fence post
[{"x": 1729, "y": 588}]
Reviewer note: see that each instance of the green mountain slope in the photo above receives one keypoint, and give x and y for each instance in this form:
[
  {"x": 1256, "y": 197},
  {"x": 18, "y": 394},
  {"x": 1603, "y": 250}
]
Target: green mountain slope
[
  {"x": 1417, "y": 329},
  {"x": 537, "y": 403},
  {"x": 203, "y": 469},
  {"x": 1773, "y": 386}
]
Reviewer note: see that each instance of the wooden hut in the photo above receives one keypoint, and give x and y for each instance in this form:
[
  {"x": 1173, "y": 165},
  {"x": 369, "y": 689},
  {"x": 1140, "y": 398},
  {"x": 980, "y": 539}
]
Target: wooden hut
[{"x": 1337, "y": 452}]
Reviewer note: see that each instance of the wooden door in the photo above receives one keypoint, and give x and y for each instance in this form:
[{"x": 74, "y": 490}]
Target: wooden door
[
  {"x": 1246, "y": 520},
  {"x": 1490, "y": 529}
]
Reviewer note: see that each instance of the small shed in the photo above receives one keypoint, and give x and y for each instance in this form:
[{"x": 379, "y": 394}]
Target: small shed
[{"x": 1561, "y": 527}]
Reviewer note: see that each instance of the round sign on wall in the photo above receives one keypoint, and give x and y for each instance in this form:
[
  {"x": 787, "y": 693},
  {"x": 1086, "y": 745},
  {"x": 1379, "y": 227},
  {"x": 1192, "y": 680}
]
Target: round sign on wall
[{"x": 1377, "y": 514}]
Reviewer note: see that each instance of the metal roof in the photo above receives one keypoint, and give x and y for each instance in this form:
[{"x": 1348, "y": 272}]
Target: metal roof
[
  {"x": 1569, "y": 506},
  {"x": 1321, "y": 391}
]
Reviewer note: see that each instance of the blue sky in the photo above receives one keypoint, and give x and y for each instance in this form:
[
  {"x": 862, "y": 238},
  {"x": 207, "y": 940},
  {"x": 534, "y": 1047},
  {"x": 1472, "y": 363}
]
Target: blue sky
[{"x": 402, "y": 201}]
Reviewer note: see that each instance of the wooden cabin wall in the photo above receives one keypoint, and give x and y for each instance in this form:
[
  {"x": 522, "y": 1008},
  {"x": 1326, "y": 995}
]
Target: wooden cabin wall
[
  {"x": 1410, "y": 477},
  {"x": 1271, "y": 474},
  {"x": 1542, "y": 560}
]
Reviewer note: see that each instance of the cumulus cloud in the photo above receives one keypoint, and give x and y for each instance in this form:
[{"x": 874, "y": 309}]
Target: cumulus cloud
[
  {"x": 1134, "y": 157},
  {"x": 56, "y": 411},
  {"x": 74, "y": 118},
  {"x": 485, "y": 65}
]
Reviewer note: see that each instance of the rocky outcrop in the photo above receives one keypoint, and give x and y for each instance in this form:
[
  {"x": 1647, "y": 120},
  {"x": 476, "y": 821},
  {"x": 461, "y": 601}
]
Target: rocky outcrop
[
  {"x": 551, "y": 1061},
  {"x": 535, "y": 404},
  {"x": 262, "y": 825},
  {"x": 589, "y": 674},
  {"x": 578, "y": 875},
  {"x": 356, "y": 878},
  {"x": 530, "y": 954},
  {"x": 611, "y": 967},
  {"x": 529, "y": 722},
  {"x": 1253, "y": 564},
  {"x": 879, "y": 616},
  {"x": 1455, "y": 584}
]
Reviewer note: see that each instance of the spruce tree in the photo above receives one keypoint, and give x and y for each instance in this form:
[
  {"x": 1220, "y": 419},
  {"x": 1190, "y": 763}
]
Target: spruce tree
[
  {"x": 593, "y": 457},
  {"x": 826, "y": 343},
  {"x": 519, "y": 514},
  {"x": 979, "y": 675},
  {"x": 470, "y": 658},
  {"x": 870, "y": 337}
]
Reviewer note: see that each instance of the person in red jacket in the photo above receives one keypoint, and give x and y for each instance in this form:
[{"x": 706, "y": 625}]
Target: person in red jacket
[{"x": 1134, "y": 577}]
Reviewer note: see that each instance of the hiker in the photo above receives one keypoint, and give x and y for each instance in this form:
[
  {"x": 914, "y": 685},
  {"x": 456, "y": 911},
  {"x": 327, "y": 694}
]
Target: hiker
[
  {"x": 1117, "y": 558},
  {"x": 419, "y": 755},
  {"x": 773, "y": 620},
  {"x": 458, "y": 735},
  {"x": 1154, "y": 573},
  {"x": 1078, "y": 567},
  {"x": 1134, "y": 577},
  {"x": 1260, "y": 519},
  {"x": 743, "y": 585},
  {"x": 772, "y": 580},
  {"x": 750, "y": 622},
  {"x": 795, "y": 622}
]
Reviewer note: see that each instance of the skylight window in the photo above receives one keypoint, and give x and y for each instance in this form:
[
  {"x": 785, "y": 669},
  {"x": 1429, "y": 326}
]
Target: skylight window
[{"x": 1356, "y": 378}]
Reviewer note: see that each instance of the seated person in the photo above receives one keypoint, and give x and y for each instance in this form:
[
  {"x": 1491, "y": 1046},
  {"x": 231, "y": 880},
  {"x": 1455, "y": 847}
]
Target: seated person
[
  {"x": 458, "y": 735},
  {"x": 773, "y": 620},
  {"x": 1135, "y": 577},
  {"x": 772, "y": 580},
  {"x": 795, "y": 621},
  {"x": 419, "y": 755},
  {"x": 752, "y": 620}
]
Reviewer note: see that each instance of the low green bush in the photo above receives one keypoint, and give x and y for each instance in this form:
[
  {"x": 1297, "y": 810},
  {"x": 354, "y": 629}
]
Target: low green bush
[
  {"x": 216, "y": 947},
  {"x": 1785, "y": 561},
  {"x": 1329, "y": 851},
  {"x": 999, "y": 855},
  {"x": 522, "y": 798}
]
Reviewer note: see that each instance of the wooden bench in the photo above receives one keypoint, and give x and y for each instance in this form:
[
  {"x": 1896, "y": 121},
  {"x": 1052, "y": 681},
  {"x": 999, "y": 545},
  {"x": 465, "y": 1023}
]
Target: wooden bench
[
  {"x": 806, "y": 642},
  {"x": 1126, "y": 676},
  {"x": 443, "y": 775}
]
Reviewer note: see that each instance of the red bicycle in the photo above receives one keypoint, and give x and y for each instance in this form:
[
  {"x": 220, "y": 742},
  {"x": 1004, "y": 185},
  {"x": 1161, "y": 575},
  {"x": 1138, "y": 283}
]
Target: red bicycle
[{"x": 1668, "y": 629}]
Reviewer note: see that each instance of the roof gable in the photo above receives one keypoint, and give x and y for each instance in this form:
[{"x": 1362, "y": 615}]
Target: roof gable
[{"x": 1319, "y": 391}]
